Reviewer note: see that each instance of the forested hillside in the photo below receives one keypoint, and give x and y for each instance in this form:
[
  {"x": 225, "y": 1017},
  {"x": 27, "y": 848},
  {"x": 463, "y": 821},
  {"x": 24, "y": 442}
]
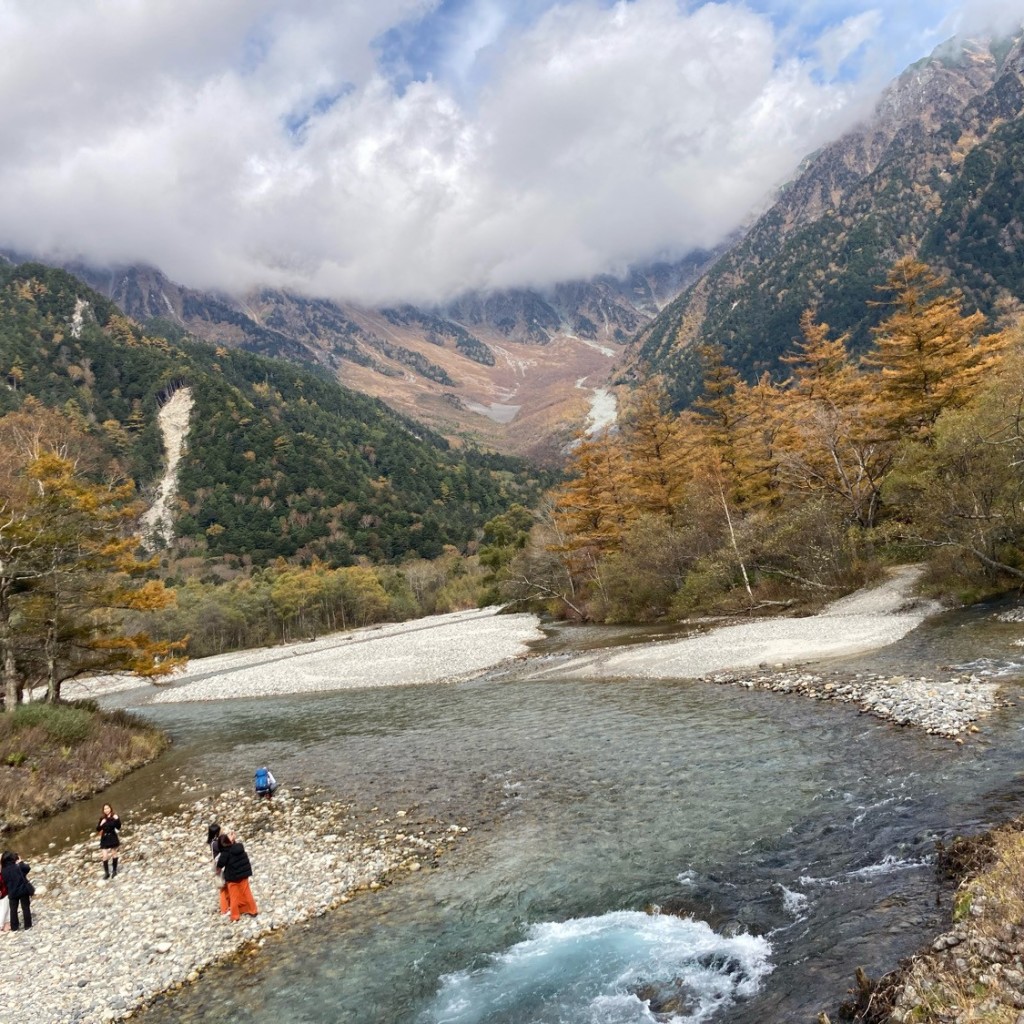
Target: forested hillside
[
  {"x": 936, "y": 172},
  {"x": 280, "y": 461},
  {"x": 770, "y": 495}
]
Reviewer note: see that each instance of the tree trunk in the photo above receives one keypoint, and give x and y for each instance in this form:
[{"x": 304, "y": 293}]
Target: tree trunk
[
  {"x": 735, "y": 546},
  {"x": 52, "y": 682},
  {"x": 8, "y": 669}
]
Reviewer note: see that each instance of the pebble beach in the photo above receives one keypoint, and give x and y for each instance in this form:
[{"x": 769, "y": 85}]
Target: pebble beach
[
  {"x": 83, "y": 964},
  {"x": 941, "y": 707},
  {"x": 435, "y": 649}
]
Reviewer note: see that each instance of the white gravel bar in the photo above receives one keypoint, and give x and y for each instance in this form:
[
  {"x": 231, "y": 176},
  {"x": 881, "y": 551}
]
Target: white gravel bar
[
  {"x": 435, "y": 649},
  {"x": 869, "y": 619}
]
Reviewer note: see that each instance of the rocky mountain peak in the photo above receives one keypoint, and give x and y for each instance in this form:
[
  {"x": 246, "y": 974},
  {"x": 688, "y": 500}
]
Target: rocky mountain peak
[{"x": 931, "y": 172}]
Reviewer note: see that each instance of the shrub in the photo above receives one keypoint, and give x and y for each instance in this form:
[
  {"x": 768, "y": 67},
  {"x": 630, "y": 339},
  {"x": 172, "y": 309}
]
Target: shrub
[{"x": 64, "y": 724}]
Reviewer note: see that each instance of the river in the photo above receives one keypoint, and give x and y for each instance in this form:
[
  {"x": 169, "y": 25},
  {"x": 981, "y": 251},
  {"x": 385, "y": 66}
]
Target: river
[{"x": 793, "y": 841}]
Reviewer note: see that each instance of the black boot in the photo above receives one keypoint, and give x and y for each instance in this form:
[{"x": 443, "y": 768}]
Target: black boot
[
  {"x": 114, "y": 873},
  {"x": 106, "y": 870}
]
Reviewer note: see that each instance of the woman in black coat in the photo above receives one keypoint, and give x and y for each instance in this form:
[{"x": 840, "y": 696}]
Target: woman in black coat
[
  {"x": 107, "y": 828},
  {"x": 19, "y": 889}
]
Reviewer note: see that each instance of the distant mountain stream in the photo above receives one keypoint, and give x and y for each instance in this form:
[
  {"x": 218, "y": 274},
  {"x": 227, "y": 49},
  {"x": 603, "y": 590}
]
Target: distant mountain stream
[{"x": 791, "y": 840}]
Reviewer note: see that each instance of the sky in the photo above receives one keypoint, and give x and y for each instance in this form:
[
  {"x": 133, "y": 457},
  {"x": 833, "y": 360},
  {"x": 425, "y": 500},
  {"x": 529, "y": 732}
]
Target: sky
[{"x": 411, "y": 150}]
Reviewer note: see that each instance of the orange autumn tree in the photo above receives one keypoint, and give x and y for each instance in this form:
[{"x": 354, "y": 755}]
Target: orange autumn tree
[
  {"x": 70, "y": 577},
  {"x": 739, "y": 489},
  {"x": 654, "y": 452},
  {"x": 593, "y": 507},
  {"x": 841, "y": 444},
  {"x": 929, "y": 354}
]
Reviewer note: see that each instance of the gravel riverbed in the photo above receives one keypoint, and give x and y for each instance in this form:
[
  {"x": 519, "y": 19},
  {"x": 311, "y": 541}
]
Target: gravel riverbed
[
  {"x": 942, "y": 707},
  {"x": 435, "y": 649},
  {"x": 98, "y": 949}
]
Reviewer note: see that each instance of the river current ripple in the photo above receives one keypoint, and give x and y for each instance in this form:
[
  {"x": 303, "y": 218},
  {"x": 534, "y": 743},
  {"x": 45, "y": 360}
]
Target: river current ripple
[{"x": 791, "y": 841}]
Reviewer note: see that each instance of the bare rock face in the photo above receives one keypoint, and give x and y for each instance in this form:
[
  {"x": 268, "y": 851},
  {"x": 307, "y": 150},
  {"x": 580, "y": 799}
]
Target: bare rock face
[
  {"x": 174, "y": 417},
  {"x": 877, "y": 193}
]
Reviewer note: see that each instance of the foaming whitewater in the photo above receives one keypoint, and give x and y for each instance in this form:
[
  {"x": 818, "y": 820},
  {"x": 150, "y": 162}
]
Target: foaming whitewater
[
  {"x": 888, "y": 864},
  {"x": 617, "y": 968},
  {"x": 794, "y": 903}
]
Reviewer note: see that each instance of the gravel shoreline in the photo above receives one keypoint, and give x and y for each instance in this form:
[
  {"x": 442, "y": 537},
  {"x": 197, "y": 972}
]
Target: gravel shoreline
[
  {"x": 436, "y": 649},
  {"x": 82, "y": 964},
  {"x": 948, "y": 707},
  {"x": 866, "y": 620}
]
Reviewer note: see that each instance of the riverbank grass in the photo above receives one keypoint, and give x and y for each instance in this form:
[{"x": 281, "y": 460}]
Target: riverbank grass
[
  {"x": 974, "y": 972},
  {"x": 54, "y": 754}
]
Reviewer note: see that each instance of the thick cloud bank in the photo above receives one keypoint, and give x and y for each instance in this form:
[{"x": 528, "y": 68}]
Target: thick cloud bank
[{"x": 411, "y": 149}]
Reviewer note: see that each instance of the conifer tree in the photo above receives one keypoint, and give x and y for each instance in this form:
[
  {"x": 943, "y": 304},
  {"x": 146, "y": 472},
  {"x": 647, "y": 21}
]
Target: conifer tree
[
  {"x": 593, "y": 507},
  {"x": 928, "y": 353},
  {"x": 821, "y": 366},
  {"x": 760, "y": 433},
  {"x": 69, "y": 575},
  {"x": 838, "y": 444},
  {"x": 653, "y": 451}
]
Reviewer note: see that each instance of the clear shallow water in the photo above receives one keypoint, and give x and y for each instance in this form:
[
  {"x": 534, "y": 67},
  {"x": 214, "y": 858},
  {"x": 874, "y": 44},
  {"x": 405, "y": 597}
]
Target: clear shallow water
[{"x": 791, "y": 840}]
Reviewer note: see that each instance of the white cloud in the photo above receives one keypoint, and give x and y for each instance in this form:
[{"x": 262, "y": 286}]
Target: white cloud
[
  {"x": 240, "y": 142},
  {"x": 838, "y": 44}
]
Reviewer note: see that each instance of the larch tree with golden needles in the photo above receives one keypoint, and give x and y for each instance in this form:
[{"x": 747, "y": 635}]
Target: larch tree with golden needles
[
  {"x": 717, "y": 407},
  {"x": 820, "y": 365},
  {"x": 654, "y": 454},
  {"x": 72, "y": 579},
  {"x": 593, "y": 507},
  {"x": 761, "y": 434},
  {"x": 929, "y": 355},
  {"x": 839, "y": 443}
]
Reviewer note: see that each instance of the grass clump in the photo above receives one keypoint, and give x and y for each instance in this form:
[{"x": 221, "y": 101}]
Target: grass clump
[
  {"x": 62, "y": 723},
  {"x": 54, "y": 754}
]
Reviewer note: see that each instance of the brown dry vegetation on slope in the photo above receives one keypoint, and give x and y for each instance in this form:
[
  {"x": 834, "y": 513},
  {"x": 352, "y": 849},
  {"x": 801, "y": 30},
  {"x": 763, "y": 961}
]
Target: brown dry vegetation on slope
[
  {"x": 974, "y": 972},
  {"x": 53, "y": 755}
]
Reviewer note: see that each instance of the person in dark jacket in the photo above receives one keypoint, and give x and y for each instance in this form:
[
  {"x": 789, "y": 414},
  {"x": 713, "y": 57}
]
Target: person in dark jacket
[
  {"x": 19, "y": 889},
  {"x": 107, "y": 828},
  {"x": 236, "y": 869}
]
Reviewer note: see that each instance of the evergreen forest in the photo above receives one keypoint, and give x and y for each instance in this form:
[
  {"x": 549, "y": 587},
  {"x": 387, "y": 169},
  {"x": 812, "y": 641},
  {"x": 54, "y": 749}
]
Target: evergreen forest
[{"x": 280, "y": 461}]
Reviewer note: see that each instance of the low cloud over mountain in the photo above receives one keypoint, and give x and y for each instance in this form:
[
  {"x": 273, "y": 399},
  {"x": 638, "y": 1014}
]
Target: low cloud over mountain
[{"x": 410, "y": 150}]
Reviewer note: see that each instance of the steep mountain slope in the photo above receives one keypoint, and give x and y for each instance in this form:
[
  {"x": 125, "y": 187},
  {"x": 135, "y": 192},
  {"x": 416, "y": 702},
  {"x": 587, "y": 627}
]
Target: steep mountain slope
[
  {"x": 280, "y": 460},
  {"x": 514, "y": 370},
  {"x": 936, "y": 172}
]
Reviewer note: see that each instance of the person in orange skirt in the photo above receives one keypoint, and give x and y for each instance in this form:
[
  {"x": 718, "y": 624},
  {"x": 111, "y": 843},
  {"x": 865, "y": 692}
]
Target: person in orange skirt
[
  {"x": 213, "y": 842},
  {"x": 233, "y": 863}
]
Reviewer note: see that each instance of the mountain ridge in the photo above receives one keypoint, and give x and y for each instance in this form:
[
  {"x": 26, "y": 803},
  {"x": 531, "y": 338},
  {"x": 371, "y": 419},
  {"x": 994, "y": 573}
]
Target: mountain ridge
[
  {"x": 861, "y": 202},
  {"x": 280, "y": 460},
  {"x": 502, "y": 369}
]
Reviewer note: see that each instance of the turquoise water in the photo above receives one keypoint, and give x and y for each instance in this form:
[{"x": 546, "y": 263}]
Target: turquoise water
[{"x": 787, "y": 841}]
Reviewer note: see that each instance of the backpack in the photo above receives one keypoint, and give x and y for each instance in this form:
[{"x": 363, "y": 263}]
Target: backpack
[{"x": 262, "y": 780}]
